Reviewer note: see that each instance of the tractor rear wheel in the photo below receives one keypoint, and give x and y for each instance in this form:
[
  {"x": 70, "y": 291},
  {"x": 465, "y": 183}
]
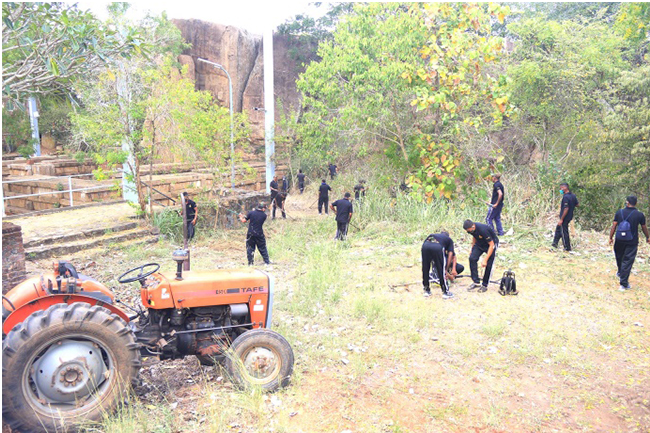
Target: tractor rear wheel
[
  {"x": 260, "y": 357},
  {"x": 66, "y": 366}
]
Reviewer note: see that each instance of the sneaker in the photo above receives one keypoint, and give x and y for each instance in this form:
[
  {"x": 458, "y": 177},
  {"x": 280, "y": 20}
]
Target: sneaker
[
  {"x": 426, "y": 293},
  {"x": 553, "y": 245},
  {"x": 483, "y": 289},
  {"x": 447, "y": 295},
  {"x": 624, "y": 288},
  {"x": 473, "y": 286}
]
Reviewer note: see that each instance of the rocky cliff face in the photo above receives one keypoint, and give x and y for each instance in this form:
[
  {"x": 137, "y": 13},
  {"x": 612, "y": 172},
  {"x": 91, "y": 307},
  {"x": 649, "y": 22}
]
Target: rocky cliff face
[{"x": 241, "y": 53}]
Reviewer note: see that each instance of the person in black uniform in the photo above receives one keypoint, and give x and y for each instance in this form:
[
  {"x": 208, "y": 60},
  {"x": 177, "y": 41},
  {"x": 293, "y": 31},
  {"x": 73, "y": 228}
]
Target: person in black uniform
[
  {"x": 496, "y": 205},
  {"x": 191, "y": 212},
  {"x": 255, "y": 236},
  {"x": 439, "y": 258},
  {"x": 360, "y": 190},
  {"x": 323, "y": 196},
  {"x": 343, "y": 215},
  {"x": 484, "y": 241},
  {"x": 569, "y": 203},
  {"x": 332, "y": 168},
  {"x": 277, "y": 199},
  {"x": 301, "y": 181},
  {"x": 627, "y": 239}
]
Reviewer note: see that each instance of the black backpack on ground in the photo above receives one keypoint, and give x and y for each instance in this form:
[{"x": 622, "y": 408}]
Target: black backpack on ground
[{"x": 508, "y": 284}]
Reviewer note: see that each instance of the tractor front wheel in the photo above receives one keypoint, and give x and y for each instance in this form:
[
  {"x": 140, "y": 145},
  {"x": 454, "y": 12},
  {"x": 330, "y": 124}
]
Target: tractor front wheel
[
  {"x": 66, "y": 366},
  {"x": 260, "y": 357}
]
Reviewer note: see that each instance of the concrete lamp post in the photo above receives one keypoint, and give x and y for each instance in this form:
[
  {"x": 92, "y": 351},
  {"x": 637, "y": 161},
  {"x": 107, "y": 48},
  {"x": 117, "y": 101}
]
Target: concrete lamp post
[{"x": 232, "y": 136}]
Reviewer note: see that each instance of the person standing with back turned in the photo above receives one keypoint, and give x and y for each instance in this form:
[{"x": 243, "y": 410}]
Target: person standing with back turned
[
  {"x": 626, "y": 227},
  {"x": 496, "y": 205},
  {"x": 323, "y": 196},
  {"x": 569, "y": 203},
  {"x": 301, "y": 181},
  {"x": 255, "y": 236},
  {"x": 343, "y": 215}
]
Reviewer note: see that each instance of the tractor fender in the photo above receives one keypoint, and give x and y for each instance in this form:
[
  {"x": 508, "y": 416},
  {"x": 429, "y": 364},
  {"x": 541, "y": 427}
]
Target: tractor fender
[{"x": 45, "y": 302}]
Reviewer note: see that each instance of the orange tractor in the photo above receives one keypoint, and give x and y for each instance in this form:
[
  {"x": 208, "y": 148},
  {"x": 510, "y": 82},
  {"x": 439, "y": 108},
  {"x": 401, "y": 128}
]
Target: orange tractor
[{"x": 69, "y": 352}]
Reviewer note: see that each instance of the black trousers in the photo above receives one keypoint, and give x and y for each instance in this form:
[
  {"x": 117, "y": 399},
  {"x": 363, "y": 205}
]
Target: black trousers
[
  {"x": 474, "y": 256},
  {"x": 301, "y": 186},
  {"x": 258, "y": 241},
  {"x": 341, "y": 230},
  {"x": 625, "y": 253},
  {"x": 278, "y": 202},
  {"x": 190, "y": 230},
  {"x": 323, "y": 201},
  {"x": 434, "y": 255},
  {"x": 562, "y": 232}
]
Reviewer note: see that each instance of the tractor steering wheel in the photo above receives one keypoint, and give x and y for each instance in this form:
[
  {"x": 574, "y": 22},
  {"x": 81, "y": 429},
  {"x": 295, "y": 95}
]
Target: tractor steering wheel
[{"x": 141, "y": 276}]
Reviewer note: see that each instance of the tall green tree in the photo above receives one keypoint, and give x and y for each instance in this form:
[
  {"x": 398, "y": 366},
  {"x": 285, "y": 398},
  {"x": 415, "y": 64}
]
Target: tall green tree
[
  {"x": 47, "y": 46},
  {"x": 115, "y": 105},
  {"x": 355, "y": 97}
]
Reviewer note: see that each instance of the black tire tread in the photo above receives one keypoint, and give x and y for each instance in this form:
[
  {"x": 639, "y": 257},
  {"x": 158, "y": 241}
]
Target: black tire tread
[{"x": 16, "y": 411}]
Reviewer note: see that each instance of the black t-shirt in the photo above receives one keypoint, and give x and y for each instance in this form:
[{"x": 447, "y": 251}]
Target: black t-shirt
[
  {"x": 498, "y": 186},
  {"x": 323, "y": 190},
  {"x": 635, "y": 218},
  {"x": 483, "y": 235},
  {"x": 569, "y": 201},
  {"x": 444, "y": 240},
  {"x": 274, "y": 188},
  {"x": 359, "y": 190},
  {"x": 301, "y": 178},
  {"x": 332, "y": 169},
  {"x": 190, "y": 209},
  {"x": 256, "y": 220},
  {"x": 343, "y": 210}
]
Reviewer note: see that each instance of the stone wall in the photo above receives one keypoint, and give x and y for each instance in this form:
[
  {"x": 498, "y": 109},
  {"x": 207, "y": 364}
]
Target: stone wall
[
  {"x": 230, "y": 207},
  {"x": 13, "y": 256}
]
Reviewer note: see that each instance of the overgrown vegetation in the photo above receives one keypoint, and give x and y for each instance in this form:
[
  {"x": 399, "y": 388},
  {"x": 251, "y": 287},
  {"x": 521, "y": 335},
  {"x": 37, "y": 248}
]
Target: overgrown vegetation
[{"x": 514, "y": 88}]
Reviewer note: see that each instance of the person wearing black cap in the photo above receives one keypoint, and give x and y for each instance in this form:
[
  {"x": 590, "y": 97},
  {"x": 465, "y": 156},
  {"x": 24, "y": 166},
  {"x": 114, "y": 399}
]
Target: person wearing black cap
[
  {"x": 484, "y": 241},
  {"x": 343, "y": 215},
  {"x": 439, "y": 258},
  {"x": 626, "y": 227},
  {"x": 569, "y": 203},
  {"x": 255, "y": 236},
  {"x": 301, "y": 181},
  {"x": 323, "y": 196},
  {"x": 191, "y": 214}
]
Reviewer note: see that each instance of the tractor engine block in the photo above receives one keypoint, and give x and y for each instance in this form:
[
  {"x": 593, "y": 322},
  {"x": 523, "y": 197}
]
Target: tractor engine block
[{"x": 175, "y": 333}]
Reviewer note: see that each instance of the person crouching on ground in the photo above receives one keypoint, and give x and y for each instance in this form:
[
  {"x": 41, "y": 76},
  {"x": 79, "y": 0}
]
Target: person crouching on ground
[
  {"x": 439, "y": 258},
  {"x": 343, "y": 215},
  {"x": 484, "y": 241}
]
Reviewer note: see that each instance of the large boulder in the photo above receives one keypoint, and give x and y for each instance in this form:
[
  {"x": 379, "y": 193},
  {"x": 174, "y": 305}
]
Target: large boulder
[{"x": 241, "y": 54}]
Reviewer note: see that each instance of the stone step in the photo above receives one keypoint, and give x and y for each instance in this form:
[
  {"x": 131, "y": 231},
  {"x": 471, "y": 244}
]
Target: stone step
[
  {"x": 92, "y": 233},
  {"x": 60, "y": 250}
]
